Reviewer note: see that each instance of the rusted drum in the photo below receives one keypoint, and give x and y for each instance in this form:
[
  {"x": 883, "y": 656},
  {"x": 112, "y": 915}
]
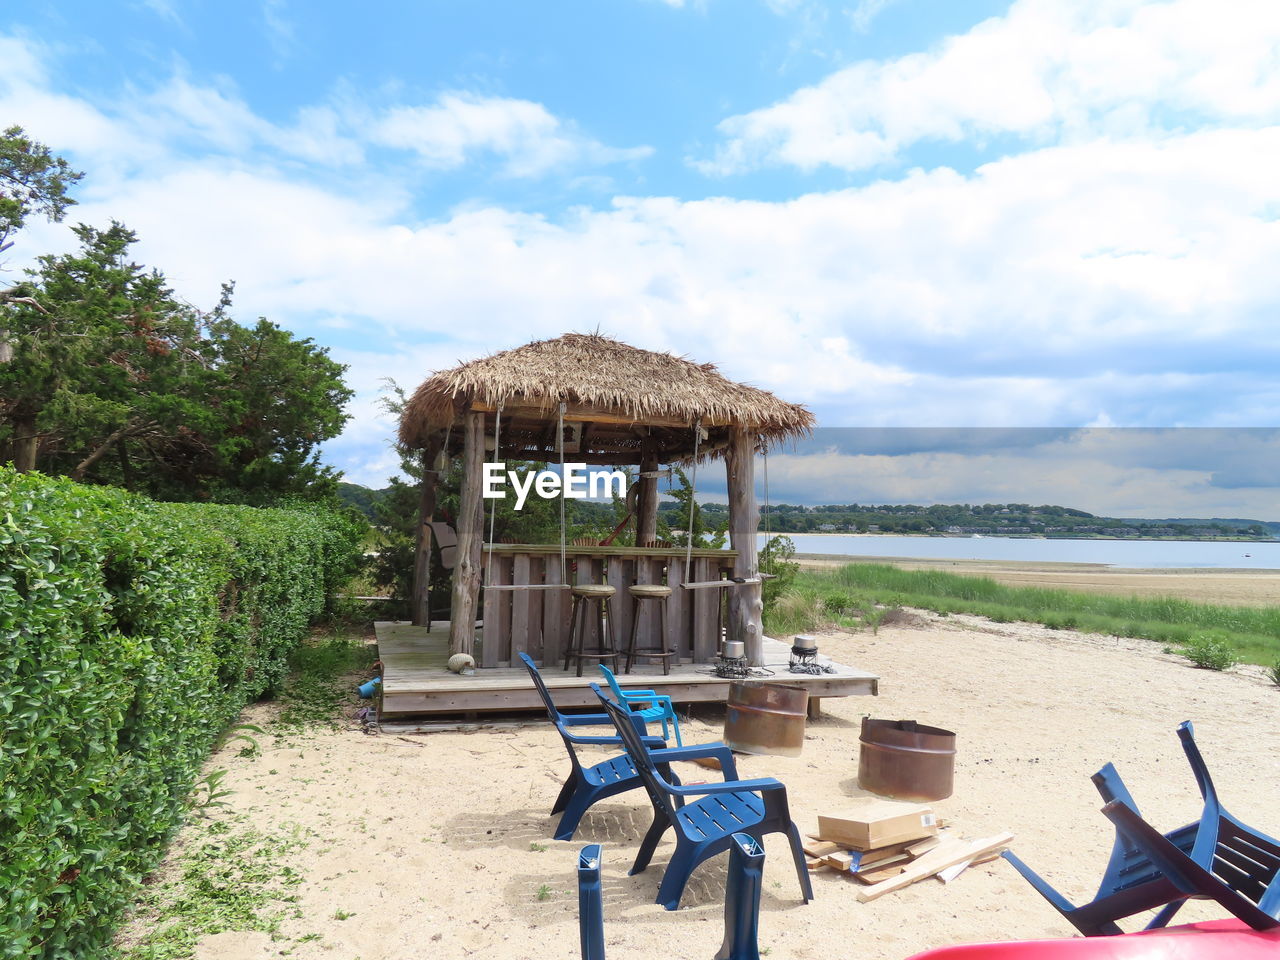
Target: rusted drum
[
  {"x": 766, "y": 718},
  {"x": 906, "y": 760}
]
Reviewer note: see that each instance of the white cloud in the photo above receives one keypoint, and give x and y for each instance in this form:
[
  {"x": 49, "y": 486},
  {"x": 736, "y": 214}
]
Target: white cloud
[
  {"x": 1048, "y": 71},
  {"x": 866, "y": 11},
  {"x": 459, "y": 126},
  {"x": 1131, "y": 277}
]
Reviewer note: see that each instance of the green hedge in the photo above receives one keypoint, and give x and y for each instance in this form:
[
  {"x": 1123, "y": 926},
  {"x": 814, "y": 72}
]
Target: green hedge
[{"x": 131, "y": 633}]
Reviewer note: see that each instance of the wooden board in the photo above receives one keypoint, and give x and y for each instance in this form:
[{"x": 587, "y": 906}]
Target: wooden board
[
  {"x": 415, "y": 680},
  {"x": 948, "y": 853}
]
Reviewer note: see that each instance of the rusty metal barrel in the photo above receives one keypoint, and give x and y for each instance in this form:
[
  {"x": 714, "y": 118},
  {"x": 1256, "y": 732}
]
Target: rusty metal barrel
[
  {"x": 766, "y": 718},
  {"x": 906, "y": 760}
]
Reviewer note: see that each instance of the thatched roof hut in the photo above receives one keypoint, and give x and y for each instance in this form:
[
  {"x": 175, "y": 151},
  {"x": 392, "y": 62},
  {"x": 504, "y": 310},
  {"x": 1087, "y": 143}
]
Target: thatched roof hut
[
  {"x": 610, "y": 384},
  {"x": 619, "y": 406}
]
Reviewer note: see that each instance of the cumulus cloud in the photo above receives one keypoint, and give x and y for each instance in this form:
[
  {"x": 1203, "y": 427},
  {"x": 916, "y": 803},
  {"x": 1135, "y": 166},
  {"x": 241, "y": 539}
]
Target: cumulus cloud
[
  {"x": 1119, "y": 277},
  {"x": 458, "y": 126},
  {"x": 1047, "y": 71}
]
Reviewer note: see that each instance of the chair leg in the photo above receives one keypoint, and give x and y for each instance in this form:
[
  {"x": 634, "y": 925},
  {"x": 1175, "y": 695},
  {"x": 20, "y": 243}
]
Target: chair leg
[
  {"x": 575, "y": 634},
  {"x": 681, "y": 865},
  {"x": 565, "y": 793},
  {"x": 573, "y": 813},
  {"x": 650, "y": 842},
  {"x": 797, "y": 854},
  {"x": 635, "y": 630},
  {"x": 666, "y": 648}
]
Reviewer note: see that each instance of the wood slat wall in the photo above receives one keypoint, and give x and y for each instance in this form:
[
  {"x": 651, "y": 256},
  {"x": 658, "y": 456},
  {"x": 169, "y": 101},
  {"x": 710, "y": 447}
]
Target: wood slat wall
[{"x": 537, "y": 621}]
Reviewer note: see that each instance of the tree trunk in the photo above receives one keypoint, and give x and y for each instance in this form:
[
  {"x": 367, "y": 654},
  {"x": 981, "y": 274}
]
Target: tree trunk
[
  {"x": 26, "y": 443},
  {"x": 647, "y": 502},
  {"x": 746, "y": 603},
  {"x": 466, "y": 573},
  {"x": 83, "y": 466},
  {"x": 126, "y": 466},
  {"x": 420, "y": 604}
]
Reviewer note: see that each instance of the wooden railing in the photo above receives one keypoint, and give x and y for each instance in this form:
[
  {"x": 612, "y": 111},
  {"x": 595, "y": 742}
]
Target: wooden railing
[{"x": 537, "y": 621}]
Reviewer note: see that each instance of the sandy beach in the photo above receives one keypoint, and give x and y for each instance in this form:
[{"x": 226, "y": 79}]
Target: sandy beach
[
  {"x": 1256, "y": 588},
  {"x": 439, "y": 845}
]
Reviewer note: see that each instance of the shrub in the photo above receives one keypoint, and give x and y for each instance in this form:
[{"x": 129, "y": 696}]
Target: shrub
[
  {"x": 776, "y": 558},
  {"x": 131, "y": 633},
  {"x": 1274, "y": 673},
  {"x": 1210, "y": 652}
]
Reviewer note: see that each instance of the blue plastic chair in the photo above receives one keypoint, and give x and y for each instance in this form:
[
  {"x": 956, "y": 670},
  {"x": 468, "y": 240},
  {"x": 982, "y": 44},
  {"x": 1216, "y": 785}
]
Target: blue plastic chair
[
  {"x": 590, "y": 903},
  {"x": 1137, "y": 878},
  {"x": 742, "y": 900},
  {"x": 647, "y": 704},
  {"x": 585, "y": 786},
  {"x": 703, "y": 827}
]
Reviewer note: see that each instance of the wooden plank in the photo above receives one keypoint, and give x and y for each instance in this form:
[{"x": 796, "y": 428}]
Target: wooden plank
[
  {"x": 555, "y": 614},
  {"x": 519, "y": 642},
  {"x": 745, "y": 604},
  {"x": 533, "y": 643},
  {"x": 666, "y": 553},
  {"x": 706, "y": 603},
  {"x": 620, "y": 575},
  {"x": 489, "y": 632},
  {"x": 948, "y": 853},
  {"x": 679, "y": 609}
]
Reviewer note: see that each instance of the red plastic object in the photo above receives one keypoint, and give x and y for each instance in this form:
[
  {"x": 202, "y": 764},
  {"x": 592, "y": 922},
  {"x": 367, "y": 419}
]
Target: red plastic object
[{"x": 1213, "y": 940}]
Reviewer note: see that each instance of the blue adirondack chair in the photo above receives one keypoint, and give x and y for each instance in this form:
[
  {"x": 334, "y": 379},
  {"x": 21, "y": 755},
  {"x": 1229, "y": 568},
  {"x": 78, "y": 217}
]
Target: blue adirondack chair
[
  {"x": 741, "y": 901},
  {"x": 590, "y": 903},
  {"x": 1135, "y": 880},
  {"x": 703, "y": 827},
  {"x": 648, "y": 704},
  {"x": 585, "y": 786}
]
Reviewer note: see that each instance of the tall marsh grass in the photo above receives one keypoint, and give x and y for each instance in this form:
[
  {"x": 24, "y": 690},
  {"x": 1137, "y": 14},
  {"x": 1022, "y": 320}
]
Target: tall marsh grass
[{"x": 1253, "y": 632}]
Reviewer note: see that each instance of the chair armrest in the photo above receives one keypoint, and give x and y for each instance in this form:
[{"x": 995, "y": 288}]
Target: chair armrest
[
  {"x": 714, "y": 751},
  {"x": 729, "y": 786},
  {"x": 634, "y": 694},
  {"x": 650, "y": 743},
  {"x": 586, "y": 719}
]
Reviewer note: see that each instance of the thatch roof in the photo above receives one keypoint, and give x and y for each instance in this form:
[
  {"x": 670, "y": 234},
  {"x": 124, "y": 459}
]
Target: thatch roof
[{"x": 592, "y": 373}]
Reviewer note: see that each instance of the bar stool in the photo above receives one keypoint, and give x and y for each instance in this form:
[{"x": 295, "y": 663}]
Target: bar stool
[
  {"x": 641, "y": 592},
  {"x": 585, "y": 594}
]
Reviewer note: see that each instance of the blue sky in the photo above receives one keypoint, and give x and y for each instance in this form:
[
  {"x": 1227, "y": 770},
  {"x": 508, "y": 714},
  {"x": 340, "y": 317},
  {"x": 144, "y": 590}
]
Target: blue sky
[{"x": 924, "y": 213}]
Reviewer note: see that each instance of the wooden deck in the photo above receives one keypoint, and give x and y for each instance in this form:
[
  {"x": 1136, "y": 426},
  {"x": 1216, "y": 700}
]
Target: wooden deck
[{"x": 415, "y": 681}]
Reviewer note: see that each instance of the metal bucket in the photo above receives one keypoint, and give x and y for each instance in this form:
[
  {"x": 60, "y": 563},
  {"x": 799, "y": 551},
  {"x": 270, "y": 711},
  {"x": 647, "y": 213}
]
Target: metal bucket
[
  {"x": 906, "y": 760},
  {"x": 766, "y": 718}
]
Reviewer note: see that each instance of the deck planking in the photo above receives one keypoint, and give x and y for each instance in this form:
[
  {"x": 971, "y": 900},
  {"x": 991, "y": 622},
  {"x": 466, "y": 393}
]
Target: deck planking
[{"x": 416, "y": 681}]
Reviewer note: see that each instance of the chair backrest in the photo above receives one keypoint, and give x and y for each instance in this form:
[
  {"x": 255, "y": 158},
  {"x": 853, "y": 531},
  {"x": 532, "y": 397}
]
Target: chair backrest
[
  {"x": 446, "y": 539},
  {"x": 623, "y": 719},
  {"x": 552, "y": 712},
  {"x": 613, "y": 684}
]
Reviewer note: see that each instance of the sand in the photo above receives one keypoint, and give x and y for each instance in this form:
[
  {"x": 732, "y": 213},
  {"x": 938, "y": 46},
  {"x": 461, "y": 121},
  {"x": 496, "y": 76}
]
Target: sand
[
  {"x": 439, "y": 845},
  {"x": 1254, "y": 588}
]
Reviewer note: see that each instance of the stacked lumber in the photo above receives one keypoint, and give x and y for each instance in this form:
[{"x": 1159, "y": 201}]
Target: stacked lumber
[{"x": 886, "y": 845}]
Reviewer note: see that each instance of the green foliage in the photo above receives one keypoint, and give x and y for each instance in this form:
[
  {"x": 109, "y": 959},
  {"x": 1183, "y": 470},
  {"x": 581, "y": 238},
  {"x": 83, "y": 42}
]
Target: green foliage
[
  {"x": 131, "y": 634},
  {"x": 317, "y": 686},
  {"x": 1210, "y": 652},
  {"x": 115, "y": 379},
  {"x": 227, "y": 877},
  {"x": 775, "y": 558},
  {"x": 1274, "y": 673},
  {"x": 32, "y": 180}
]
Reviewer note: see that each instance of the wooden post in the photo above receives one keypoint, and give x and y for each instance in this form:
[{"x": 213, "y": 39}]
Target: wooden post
[
  {"x": 420, "y": 603},
  {"x": 746, "y": 603},
  {"x": 466, "y": 572},
  {"x": 647, "y": 502}
]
